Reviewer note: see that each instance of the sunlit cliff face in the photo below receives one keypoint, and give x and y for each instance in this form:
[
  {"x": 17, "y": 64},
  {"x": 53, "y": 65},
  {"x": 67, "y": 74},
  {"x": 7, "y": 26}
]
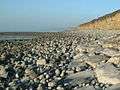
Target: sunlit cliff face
[{"x": 107, "y": 22}]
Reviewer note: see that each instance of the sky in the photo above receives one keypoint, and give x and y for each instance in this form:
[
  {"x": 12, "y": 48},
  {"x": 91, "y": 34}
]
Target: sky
[{"x": 51, "y": 15}]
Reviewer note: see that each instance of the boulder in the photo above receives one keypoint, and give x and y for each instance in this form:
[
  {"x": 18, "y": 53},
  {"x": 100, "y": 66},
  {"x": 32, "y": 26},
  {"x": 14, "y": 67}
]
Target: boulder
[
  {"x": 110, "y": 52},
  {"x": 106, "y": 73},
  {"x": 80, "y": 77},
  {"x": 95, "y": 60}
]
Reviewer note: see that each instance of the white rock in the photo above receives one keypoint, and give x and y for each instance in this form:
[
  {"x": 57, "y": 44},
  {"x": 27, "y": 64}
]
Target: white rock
[
  {"x": 69, "y": 72},
  {"x": 41, "y": 62},
  {"x": 16, "y": 75},
  {"x": 62, "y": 73},
  {"x": 108, "y": 45},
  {"x": 47, "y": 76}
]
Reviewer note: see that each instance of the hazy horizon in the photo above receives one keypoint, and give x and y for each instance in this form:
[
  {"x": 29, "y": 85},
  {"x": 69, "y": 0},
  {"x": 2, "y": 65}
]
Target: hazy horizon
[{"x": 50, "y": 15}]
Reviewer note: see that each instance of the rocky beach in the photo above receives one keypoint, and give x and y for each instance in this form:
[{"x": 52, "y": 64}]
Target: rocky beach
[
  {"x": 84, "y": 60},
  {"x": 60, "y": 45}
]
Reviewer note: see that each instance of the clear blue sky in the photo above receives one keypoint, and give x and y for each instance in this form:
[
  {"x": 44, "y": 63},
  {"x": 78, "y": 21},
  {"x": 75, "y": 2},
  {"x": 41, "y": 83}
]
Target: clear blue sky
[{"x": 51, "y": 15}]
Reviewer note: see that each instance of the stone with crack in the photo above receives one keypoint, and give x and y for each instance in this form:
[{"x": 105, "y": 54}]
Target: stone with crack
[
  {"x": 80, "y": 77},
  {"x": 110, "y": 52},
  {"x": 114, "y": 60},
  {"x": 95, "y": 60},
  {"x": 106, "y": 73}
]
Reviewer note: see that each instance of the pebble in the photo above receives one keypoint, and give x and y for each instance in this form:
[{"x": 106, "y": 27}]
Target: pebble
[
  {"x": 40, "y": 87},
  {"x": 106, "y": 85},
  {"x": 37, "y": 80},
  {"x": 2, "y": 57},
  {"x": 69, "y": 72},
  {"x": 51, "y": 84},
  {"x": 101, "y": 85},
  {"x": 42, "y": 63},
  {"x": 62, "y": 73},
  {"x": 60, "y": 88},
  {"x": 87, "y": 85},
  {"x": 47, "y": 76},
  {"x": 16, "y": 75},
  {"x": 57, "y": 72},
  {"x": 57, "y": 79},
  {"x": 43, "y": 81},
  {"x": 2, "y": 71},
  {"x": 78, "y": 69},
  {"x": 41, "y": 77}
]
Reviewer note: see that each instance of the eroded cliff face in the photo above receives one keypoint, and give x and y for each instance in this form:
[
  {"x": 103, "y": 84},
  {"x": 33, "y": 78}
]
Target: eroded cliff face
[{"x": 108, "y": 22}]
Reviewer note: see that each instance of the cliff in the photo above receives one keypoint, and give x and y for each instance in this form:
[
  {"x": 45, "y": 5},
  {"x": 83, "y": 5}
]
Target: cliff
[{"x": 108, "y": 22}]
